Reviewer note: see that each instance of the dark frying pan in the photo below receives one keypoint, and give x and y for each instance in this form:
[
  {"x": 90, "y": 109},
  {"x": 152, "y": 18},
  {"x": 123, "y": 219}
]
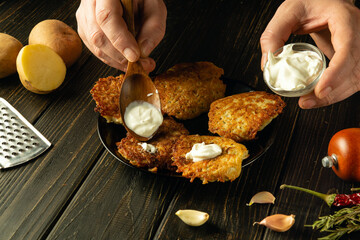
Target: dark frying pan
[{"x": 110, "y": 133}]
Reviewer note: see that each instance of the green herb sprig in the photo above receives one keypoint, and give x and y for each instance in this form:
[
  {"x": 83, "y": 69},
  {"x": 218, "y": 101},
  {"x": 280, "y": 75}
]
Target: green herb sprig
[{"x": 343, "y": 221}]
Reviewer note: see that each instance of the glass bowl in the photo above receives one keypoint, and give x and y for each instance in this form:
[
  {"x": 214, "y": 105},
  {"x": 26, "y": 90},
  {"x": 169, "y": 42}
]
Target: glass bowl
[{"x": 297, "y": 47}]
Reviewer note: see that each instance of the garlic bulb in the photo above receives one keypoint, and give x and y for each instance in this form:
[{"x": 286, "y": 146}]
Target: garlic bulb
[
  {"x": 192, "y": 217},
  {"x": 278, "y": 222}
]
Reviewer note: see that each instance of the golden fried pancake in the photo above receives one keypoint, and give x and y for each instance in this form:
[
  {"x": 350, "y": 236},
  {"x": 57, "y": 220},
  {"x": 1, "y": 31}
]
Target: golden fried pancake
[
  {"x": 168, "y": 133},
  {"x": 106, "y": 93},
  {"x": 186, "y": 90},
  {"x": 241, "y": 116},
  {"x": 224, "y": 167}
]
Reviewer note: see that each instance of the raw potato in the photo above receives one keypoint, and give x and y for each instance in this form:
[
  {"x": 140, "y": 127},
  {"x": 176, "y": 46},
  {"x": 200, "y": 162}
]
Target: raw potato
[
  {"x": 41, "y": 70},
  {"x": 9, "y": 49},
  {"x": 58, "y": 36}
]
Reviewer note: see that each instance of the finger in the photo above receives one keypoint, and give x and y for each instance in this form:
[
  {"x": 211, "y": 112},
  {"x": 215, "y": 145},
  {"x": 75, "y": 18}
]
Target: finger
[
  {"x": 148, "y": 64},
  {"x": 280, "y": 27},
  {"x": 97, "y": 42},
  {"x": 323, "y": 41},
  {"x": 108, "y": 60},
  {"x": 81, "y": 19},
  {"x": 109, "y": 17},
  {"x": 153, "y": 28},
  {"x": 87, "y": 29},
  {"x": 337, "y": 83},
  {"x": 340, "y": 93},
  {"x": 344, "y": 62},
  {"x": 105, "y": 58},
  {"x": 341, "y": 79}
]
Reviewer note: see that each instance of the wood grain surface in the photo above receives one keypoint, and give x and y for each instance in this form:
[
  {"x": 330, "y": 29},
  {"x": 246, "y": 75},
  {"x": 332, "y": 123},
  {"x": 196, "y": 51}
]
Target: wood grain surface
[{"x": 77, "y": 190}]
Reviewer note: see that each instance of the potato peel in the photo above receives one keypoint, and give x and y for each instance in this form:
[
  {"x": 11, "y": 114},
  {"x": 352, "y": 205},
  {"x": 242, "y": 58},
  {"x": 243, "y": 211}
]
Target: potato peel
[
  {"x": 59, "y": 37},
  {"x": 9, "y": 49}
]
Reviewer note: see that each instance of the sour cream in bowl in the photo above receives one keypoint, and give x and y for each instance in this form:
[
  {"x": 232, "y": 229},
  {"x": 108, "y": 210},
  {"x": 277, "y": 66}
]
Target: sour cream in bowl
[{"x": 294, "y": 70}]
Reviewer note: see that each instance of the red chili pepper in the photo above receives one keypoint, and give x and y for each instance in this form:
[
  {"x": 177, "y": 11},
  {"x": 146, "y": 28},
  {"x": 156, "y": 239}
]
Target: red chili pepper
[
  {"x": 346, "y": 200},
  {"x": 337, "y": 200}
]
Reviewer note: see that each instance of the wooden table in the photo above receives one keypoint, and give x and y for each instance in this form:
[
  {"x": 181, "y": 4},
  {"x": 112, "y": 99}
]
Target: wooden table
[{"x": 77, "y": 190}]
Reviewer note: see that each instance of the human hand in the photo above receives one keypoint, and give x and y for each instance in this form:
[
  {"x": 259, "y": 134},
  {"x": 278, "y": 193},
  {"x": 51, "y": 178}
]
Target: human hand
[
  {"x": 104, "y": 31},
  {"x": 334, "y": 25}
]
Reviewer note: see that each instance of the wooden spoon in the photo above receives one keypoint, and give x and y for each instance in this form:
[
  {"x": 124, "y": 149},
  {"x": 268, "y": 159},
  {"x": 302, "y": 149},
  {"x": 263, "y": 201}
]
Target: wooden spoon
[{"x": 137, "y": 85}]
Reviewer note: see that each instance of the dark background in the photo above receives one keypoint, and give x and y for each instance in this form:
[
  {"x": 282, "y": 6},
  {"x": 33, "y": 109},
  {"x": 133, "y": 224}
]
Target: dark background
[{"x": 77, "y": 190}]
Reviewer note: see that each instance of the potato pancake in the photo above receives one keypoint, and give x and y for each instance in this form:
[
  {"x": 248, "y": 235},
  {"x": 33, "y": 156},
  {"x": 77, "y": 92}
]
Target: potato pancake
[
  {"x": 163, "y": 141},
  {"x": 186, "y": 90},
  {"x": 225, "y": 167},
  {"x": 106, "y": 93},
  {"x": 241, "y": 116}
]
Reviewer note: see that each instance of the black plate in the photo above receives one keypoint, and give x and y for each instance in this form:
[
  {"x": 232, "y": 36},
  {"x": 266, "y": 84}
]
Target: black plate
[{"x": 111, "y": 133}]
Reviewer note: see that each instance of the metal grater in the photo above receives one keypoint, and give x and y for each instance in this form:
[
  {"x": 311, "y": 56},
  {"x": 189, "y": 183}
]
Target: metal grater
[{"x": 19, "y": 140}]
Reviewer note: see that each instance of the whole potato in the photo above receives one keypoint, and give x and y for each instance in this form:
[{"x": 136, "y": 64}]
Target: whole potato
[
  {"x": 9, "y": 49},
  {"x": 58, "y": 36}
]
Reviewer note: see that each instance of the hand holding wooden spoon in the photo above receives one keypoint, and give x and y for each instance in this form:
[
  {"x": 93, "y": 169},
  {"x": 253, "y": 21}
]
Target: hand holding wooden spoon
[{"x": 139, "y": 99}]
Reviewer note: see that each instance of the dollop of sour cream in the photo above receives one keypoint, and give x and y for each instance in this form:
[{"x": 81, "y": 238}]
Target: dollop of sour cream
[
  {"x": 143, "y": 118},
  {"x": 202, "y": 151},
  {"x": 148, "y": 147},
  {"x": 292, "y": 70}
]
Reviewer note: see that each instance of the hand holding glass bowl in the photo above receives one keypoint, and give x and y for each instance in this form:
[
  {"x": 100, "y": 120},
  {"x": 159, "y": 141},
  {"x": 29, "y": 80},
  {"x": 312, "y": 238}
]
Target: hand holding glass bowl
[{"x": 294, "y": 69}]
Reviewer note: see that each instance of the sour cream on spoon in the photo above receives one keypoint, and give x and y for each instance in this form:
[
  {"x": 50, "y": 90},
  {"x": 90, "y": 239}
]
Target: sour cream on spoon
[{"x": 142, "y": 118}]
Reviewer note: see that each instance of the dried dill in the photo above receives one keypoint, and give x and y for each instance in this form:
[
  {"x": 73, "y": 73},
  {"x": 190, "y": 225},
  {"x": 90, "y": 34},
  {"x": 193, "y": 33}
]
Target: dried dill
[{"x": 343, "y": 221}]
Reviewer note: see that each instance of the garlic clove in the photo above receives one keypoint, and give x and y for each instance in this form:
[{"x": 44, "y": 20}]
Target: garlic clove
[
  {"x": 278, "y": 222},
  {"x": 262, "y": 197},
  {"x": 192, "y": 217}
]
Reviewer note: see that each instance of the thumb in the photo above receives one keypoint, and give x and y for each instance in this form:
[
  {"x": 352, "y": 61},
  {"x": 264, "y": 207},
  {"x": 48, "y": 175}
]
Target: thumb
[
  {"x": 153, "y": 28},
  {"x": 280, "y": 27}
]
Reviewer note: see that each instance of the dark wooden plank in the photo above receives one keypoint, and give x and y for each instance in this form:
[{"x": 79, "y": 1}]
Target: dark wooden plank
[
  {"x": 316, "y": 127},
  {"x": 230, "y": 218},
  {"x": 34, "y": 194},
  {"x": 78, "y": 191},
  {"x": 222, "y": 227},
  {"x": 224, "y": 201},
  {"x": 224, "y": 32},
  {"x": 116, "y": 202},
  {"x": 14, "y": 23},
  {"x": 133, "y": 202}
]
